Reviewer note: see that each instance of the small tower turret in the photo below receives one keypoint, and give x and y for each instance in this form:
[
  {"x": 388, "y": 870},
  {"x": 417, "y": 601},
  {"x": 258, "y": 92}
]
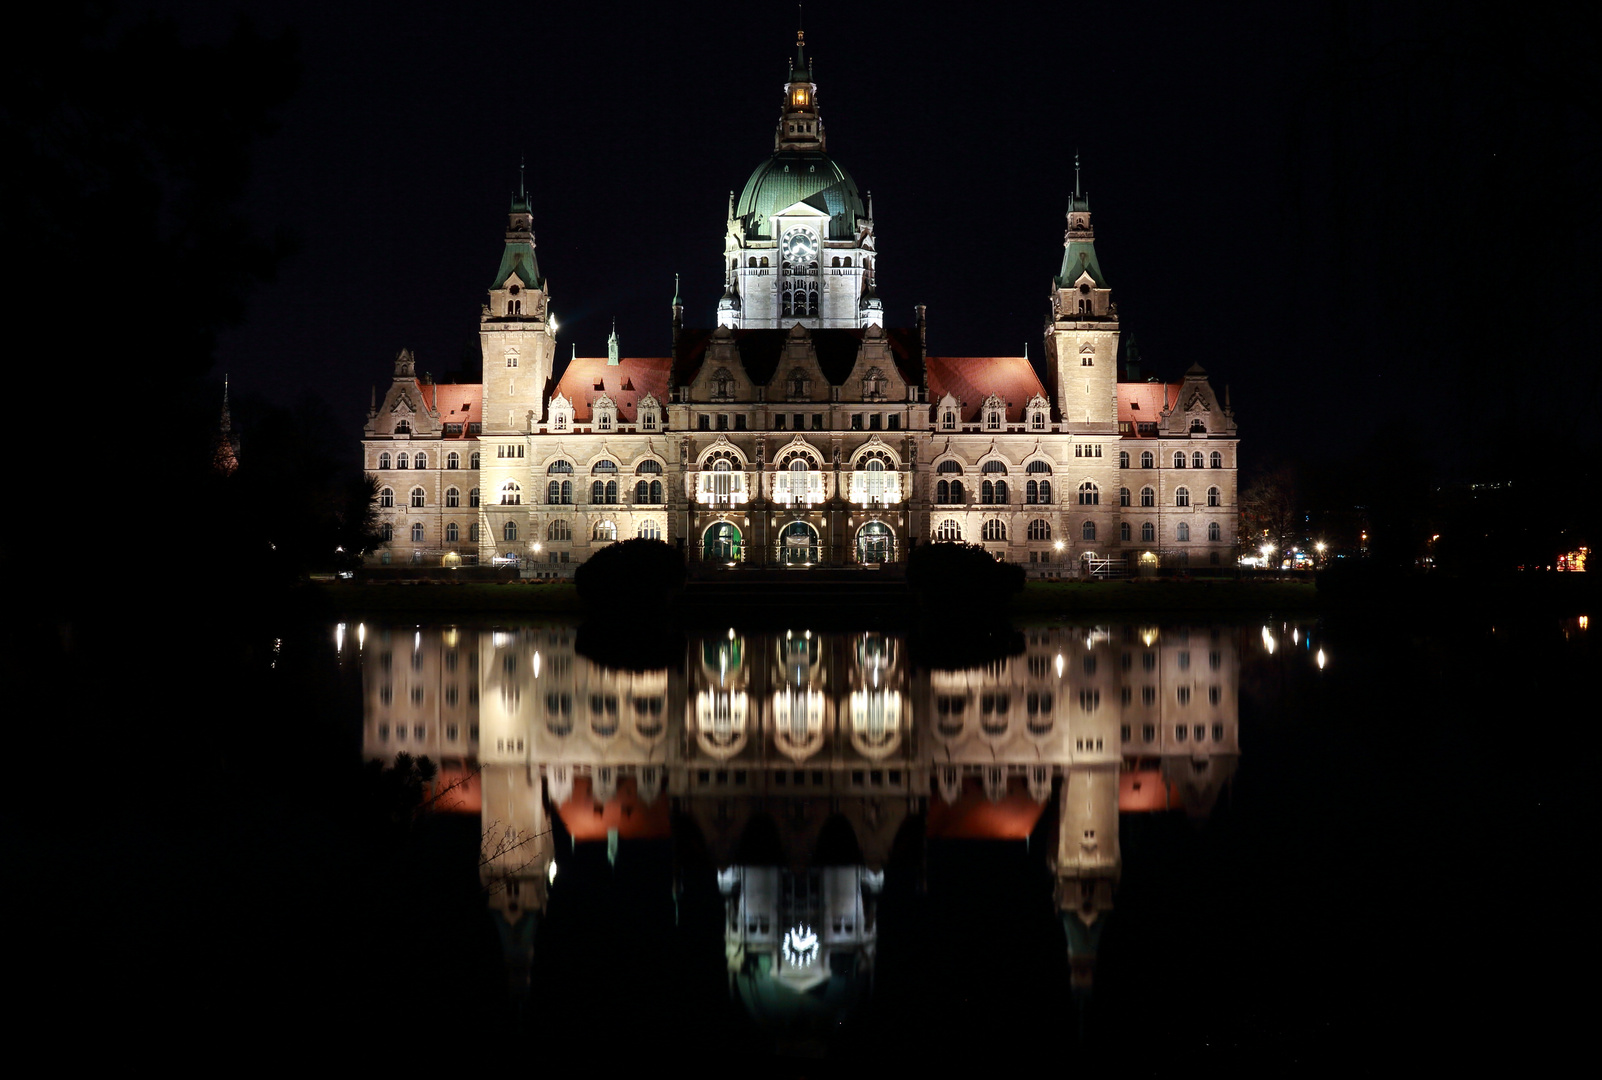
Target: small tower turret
[{"x": 1082, "y": 335}]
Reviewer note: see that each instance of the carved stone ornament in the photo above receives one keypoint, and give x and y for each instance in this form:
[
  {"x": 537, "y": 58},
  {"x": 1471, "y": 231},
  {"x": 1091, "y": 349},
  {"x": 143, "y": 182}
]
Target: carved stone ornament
[{"x": 1087, "y": 347}]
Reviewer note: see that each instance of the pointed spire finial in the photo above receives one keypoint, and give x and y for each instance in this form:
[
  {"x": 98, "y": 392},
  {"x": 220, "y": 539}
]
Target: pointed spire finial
[
  {"x": 731, "y": 205},
  {"x": 677, "y": 300},
  {"x": 1076, "y": 174},
  {"x": 522, "y": 190}
]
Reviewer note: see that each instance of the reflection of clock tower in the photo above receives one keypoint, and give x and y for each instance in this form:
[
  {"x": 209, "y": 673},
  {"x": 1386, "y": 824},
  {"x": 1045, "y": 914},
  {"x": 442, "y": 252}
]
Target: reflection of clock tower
[{"x": 800, "y": 244}]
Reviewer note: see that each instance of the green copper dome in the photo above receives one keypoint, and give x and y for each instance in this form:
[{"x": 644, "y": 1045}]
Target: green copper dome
[{"x": 791, "y": 176}]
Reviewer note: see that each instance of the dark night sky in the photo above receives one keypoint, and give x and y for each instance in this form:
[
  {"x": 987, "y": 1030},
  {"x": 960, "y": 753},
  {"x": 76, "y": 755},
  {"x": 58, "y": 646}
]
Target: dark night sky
[{"x": 1364, "y": 219}]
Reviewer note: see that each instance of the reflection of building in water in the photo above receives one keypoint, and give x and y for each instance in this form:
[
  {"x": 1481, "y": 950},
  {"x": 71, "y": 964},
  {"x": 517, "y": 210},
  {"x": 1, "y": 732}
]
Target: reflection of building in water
[{"x": 800, "y": 756}]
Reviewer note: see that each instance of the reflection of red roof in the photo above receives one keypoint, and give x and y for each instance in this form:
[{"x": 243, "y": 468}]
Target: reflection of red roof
[
  {"x": 1144, "y": 790},
  {"x": 587, "y": 819},
  {"x": 588, "y": 377},
  {"x": 456, "y": 403},
  {"x": 971, "y": 379},
  {"x": 457, "y": 789},
  {"x": 974, "y": 817},
  {"x": 1142, "y": 402}
]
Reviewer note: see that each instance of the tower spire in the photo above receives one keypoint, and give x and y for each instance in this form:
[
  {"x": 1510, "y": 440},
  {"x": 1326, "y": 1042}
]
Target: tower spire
[{"x": 800, "y": 127}]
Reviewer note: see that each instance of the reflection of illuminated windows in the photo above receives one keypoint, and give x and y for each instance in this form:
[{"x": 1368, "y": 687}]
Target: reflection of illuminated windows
[
  {"x": 1148, "y": 695},
  {"x": 1148, "y": 661},
  {"x": 875, "y": 719},
  {"x": 450, "y": 694},
  {"x": 1200, "y": 732},
  {"x": 721, "y": 720},
  {"x": 1148, "y": 732},
  {"x": 1215, "y": 660},
  {"x": 1039, "y": 666},
  {"x": 1089, "y": 699},
  {"x": 419, "y": 731},
  {"x": 511, "y": 696},
  {"x": 1125, "y": 696},
  {"x": 1179, "y": 733},
  {"x": 1123, "y": 732},
  {"x": 798, "y": 722},
  {"x": 1087, "y": 745},
  {"x": 386, "y": 694},
  {"x": 1182, "y": 695},
  {"x": 383, "y": 733},
  {"x": 1218, "y": 733},
  {"x": 452, "y": 732},
  {"x": 1214, "y": 694},
  {"x": 417, "y": 695}
]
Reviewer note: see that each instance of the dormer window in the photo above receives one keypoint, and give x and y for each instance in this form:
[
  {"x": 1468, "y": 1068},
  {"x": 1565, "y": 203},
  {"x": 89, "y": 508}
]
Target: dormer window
[
  {"x": 993, "y": 420},
  {"x": 511, "y": 360},
  {"x": 403, "y": 427},
  {"x": 948, "y": 420}
]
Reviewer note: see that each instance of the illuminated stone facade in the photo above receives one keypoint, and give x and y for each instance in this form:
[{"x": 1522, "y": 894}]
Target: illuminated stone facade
[{"x": 802, "y": 430}]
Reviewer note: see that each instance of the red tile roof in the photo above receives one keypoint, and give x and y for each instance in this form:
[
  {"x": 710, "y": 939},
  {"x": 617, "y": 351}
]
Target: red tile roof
[
  {"x": 457, "y": 403},
  {"x": 1142, "y": 402},
  {"x": 588, "y": 377},
  {"x": 971, "y": 379}
]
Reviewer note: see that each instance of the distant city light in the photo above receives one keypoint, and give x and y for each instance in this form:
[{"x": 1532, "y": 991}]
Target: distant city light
[
  {"x": 550, "y": 873},
  {"x": 1321, "y": 659},
  {"x": 1268, "y": 640},
  {"x": 800, "y": 946},
  {"x": 339, "y": 638}
]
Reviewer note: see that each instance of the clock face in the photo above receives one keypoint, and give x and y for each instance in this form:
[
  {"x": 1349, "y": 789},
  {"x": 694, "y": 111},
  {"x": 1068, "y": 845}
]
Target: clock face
[{"x": 800, "y": 247}]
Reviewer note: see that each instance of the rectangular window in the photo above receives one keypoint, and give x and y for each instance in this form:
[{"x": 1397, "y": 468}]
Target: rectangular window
[
  {"x": 817, "y": 421},
  {"x": 778, "y": 422},
  {"x": 856, "y": 421},
  {"x": 723, "y": 421},
  {"x": 895, "y": 422},
  {"x": 875, "y": 422},
  {"x": 739, "y": 423},
  {"x": 704, "y": 422}
]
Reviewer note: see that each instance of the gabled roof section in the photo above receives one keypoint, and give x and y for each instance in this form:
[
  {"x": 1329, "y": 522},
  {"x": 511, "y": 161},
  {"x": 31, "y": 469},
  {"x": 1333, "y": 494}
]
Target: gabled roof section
[
  {"x": 456, "y": 403},
  {"x": 761, "y": 350},
  {"x": 1080, "y": 258},
  {"x": 589, "y": 378},
  {"x": 971, "y": 379},
  {"x": 1142, "y": 402}
]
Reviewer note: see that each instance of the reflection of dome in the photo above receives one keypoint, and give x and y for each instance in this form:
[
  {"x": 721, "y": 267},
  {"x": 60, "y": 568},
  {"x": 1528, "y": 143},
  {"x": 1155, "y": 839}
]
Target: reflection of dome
[{"x": 791, "y": 176}]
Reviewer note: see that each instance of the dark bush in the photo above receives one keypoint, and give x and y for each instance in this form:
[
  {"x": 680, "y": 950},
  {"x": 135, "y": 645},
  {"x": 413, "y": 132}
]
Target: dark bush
[
  {"x": 963, "y": 578},
  {"x": 634, "y": 573}
]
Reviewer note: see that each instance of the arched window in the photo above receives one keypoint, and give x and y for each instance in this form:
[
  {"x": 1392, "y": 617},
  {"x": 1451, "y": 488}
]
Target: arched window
[
  {"x": 1179, "y": 459},
  {"x": 386, "y": 497},
  {"x": 1147, "y": 460},
  {"x": 386, "y": 533},
  {"x": 1214, "y": 497},
  {"x": 949, "y": 531},
  {"x": 472, "y": 533},
  {"x": 1182, "y": 496},
  {"x": 1039, "y": 529},
  {"x": 1123, "y": 496},
  {"x": 648, "y": 467},
  {"x": 1198, "y": 425},
  {"x": 383, "y": 460},
  {"x": 417, "y": 496},
  {"x": 1182, "y": 534},
  {"x": 1123, "y": 532},
  {"x": 1089, "y": 494},
  {"x": 948, "y": 420},
  {"x": 1148, "y": 532},
  {"x": 1123, "y": 459},
  {"x": 1214, "y": 532},
  {"x": 453, "y": 498},
  {"x": 649, "y": 530},
  {"x": 611, "y": 493},
  {"x": 511, "y": 494},
  {"x": 993, "y": 420},
  {"x": 509, "y": 530},
  {"x": 604, "y": 467},
  {"x": 559, "y": 467},
  {"x": 1196, "y": 460},
  {"x": 402, "y": 461},
  {"x": 417, "y": 532},
  {"x": 994, "y": 529},
  {"x": 420, "y": 462},
  {"x": 1148, "y": 497},
  {"x": 559, "y": 530},
  {"x": 943, "y": 492},
  {"x": 1045, "y": 492},
  {"x": 453, "y": 460},
  {"x": 948, "y": 468},
  {"x": 403, "y": 427},
  {"x": 597, "y": 492},
  {"x": 642, "y": 492},
  {"x": 604, "y": 530},
  {"x": 452, "y": 533},
  {"x": 1088, "y": 531},
  {"x": 472, "y": 460},
  {"x": 1216, "y": 460},
  {"x": 1037, "y": 421},
  {"x": 553, "y": 492},
  {"x": 472, "y": 497}
]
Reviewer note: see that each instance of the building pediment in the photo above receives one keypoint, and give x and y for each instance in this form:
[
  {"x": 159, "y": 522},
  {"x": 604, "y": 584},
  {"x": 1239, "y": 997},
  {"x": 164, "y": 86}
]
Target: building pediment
[{"x": 802, "y": 209}]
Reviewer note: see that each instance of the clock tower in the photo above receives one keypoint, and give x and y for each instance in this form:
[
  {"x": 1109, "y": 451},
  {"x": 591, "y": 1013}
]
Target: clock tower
[
  {"x": 799, "y": 245},
  {"x": 1082, "y": 333}
]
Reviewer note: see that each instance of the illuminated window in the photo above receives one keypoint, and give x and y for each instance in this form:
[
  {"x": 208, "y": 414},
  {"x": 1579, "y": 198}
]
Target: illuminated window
[
  {"x": 402, "y": 461},
  {"x": 1217, "y": 460},
  {"x": 604, "y": 530},
  {"x": 1182, "y": 534},
  {"x": 1123, "y": 459},
  {"x": 1039, "y": 529},
  {"x": 453, "y": 460},
  {"x": 1148, "y": 497},
  {"x": 1123, "y": 496},
  {"x": 472, "y": 497},
  {"x": 386, "y": 498},
  {"x": 417, "y": 532},
  {"x": 511, "y": 494},
  {"x": 417, "y": 496},
  {"x": 509, "y": 532},
  {"x": 1182, "y": 496},
  {"x": 452, "y": 533},
  {"x": 994, "y": 530},
  {"x": 1089, "y": 494},
  {"x": 1214, "y": 532},
  {"x": 1123, "y": 532},
  {"x": 383, "y": 460},
  {"x": 1148, "y": 532},
  {"x": 559, "y": 530},
  {"x": 453, "y": 497},
  {"x": 949, "y": 530},
  {"x": 1214, "y": 497},
  {"x": 472, "y": 460}
]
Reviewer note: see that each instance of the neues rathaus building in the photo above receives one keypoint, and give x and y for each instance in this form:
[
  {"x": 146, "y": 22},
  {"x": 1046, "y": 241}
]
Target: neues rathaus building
[{"x": 802, "y": 430}]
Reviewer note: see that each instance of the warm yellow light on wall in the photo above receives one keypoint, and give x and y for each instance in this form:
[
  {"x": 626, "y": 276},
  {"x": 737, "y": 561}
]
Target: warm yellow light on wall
[{"x": 800, "y": 97}]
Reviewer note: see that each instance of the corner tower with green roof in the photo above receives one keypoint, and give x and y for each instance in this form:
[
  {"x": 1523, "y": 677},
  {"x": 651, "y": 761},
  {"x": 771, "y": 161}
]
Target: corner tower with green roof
[
  {"x": 799, "y": 245},
  {"x": 1082, "y": 333}
]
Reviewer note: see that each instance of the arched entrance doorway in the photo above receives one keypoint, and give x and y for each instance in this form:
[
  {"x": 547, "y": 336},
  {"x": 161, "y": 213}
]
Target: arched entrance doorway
[
  {"x": 798, "y": 544},
  {"x": 875, "y": 543},
  {"x": 722, "y": 543}
]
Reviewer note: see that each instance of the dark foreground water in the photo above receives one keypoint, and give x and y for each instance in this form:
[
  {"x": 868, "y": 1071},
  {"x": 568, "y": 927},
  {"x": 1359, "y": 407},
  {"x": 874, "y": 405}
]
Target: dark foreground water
[{"x": 1277, "y": 847}]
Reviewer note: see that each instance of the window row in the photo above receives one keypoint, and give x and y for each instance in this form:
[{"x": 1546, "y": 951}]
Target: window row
[
  {"x": 1148, "y": 497},
  {"x": 419, "y": 460},
  {"x": 1039, "y": 529},
  {"x": 1197, "y": 460},
  {"x": 419, "y": 498}
]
